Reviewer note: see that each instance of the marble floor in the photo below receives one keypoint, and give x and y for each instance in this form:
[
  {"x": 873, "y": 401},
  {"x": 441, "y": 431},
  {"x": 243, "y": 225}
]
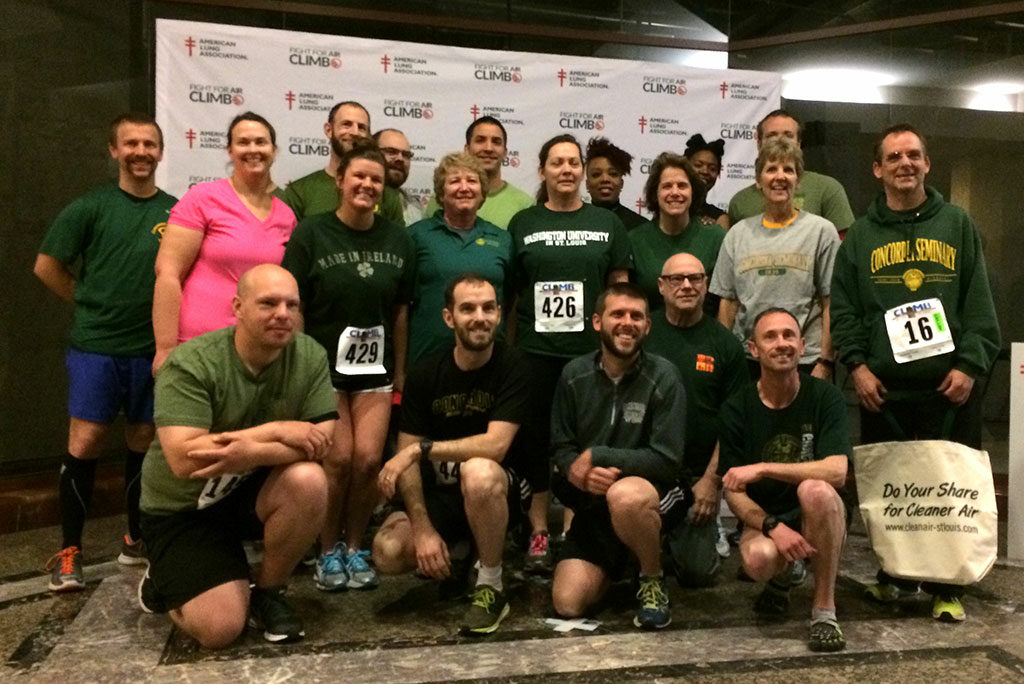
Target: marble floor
[{"x": 403, "y": 632}]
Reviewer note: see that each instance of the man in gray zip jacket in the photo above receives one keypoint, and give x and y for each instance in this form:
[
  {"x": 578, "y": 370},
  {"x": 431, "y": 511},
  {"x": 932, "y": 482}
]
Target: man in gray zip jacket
[{"x": 617, "y": 448}]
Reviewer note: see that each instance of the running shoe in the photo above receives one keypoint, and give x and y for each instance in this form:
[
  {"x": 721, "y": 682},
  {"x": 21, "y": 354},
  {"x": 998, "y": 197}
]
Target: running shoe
[
  {"x": 271, "y": 612},
  {"x": 132, "y": 552},
  {"x": 149, "y": 599},
  {"x": 538, "y": 556},
  {"x": 487, "y": 608},
  {"x": 330, "y": 573},
  {"x": 654, "y": 608},
  {"x": 946, "y": 608},
  {"x": 360, "y": 574},
  {"x": 66, "y": 570}
]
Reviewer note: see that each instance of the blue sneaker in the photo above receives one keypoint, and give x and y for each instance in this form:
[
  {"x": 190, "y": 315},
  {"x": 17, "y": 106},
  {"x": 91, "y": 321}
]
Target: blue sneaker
[
  {"x": 360, "y": 574},
  {"x": 330, "y": 573},
  {"x": 654, "y": 608}
]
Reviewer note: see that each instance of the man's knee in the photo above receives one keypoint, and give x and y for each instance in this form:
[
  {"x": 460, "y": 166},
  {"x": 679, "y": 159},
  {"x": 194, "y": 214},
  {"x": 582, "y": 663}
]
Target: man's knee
[
  {"x": 568, "y": 599},
  {"x": 306, "y": 483},
  {"x": 214, "y": 623},
  {"x": 818, "y": 499},
  {"x": 761, "y": 559},
  {"x": 482, "y": 479},
  {"x": 390, "y": 545},
  {"x": 631, "y": 495}
]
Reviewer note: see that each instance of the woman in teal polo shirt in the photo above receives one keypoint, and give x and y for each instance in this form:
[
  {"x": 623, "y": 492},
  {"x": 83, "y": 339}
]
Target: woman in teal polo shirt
[{"x": 451, "y": 242}]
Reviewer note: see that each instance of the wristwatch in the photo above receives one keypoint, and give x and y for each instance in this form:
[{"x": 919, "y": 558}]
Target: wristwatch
[
  {"x": 425, "y": 446},
  {"x": 770, "y": 523}
]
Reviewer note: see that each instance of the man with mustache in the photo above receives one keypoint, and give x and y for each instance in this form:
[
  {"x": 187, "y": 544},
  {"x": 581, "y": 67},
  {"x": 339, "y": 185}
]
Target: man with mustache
[
  {"x": 617, "y": 448},
  {"x": 317, "y": 192},
  {"x": 245, "y": 416},
  {"x": 784, "y": 445},
  {"x": 112, "y": 234},
  {"x": 459, "y": 460},
  {"x": 914, "y": 321},
  {"x": 398, "y": 158}
]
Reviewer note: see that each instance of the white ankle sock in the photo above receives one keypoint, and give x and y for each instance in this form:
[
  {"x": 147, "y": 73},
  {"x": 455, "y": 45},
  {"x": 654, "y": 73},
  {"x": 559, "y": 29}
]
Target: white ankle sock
[{"x": 490, "y": 576}]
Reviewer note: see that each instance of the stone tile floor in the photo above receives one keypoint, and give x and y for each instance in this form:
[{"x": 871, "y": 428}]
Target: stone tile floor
[{"x": 402, "y": 632}]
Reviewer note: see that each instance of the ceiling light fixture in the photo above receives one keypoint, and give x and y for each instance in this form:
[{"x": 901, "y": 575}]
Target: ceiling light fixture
[{"x": 837, "y": 85}]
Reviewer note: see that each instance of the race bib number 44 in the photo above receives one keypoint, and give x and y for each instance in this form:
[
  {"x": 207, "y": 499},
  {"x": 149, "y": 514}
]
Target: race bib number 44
[
  {"x": 558, "y": 307},
  {"x": 918, "y": 330},
  {"x": 361, "y": 351}
]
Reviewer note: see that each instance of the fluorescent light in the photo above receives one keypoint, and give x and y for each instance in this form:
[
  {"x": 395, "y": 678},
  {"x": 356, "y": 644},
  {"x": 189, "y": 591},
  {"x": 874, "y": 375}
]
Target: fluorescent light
[
  {"x": 993, "y": 102},
  {"x": 836, "y": 85},
  {"x": 998, "y": 88},
  {"x": 706, "y": 59}
]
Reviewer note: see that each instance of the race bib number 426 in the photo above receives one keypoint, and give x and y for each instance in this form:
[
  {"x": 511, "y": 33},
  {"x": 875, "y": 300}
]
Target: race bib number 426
[
  {"x": 361, "y": 351},
  {"x": 558, "y": 307},
  {"x": 918, "y": 330}
]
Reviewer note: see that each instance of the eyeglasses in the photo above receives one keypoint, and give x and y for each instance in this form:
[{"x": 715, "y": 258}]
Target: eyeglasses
[
  {"x": 394, "y": 151},
  {"x": 677, "y": 279}
]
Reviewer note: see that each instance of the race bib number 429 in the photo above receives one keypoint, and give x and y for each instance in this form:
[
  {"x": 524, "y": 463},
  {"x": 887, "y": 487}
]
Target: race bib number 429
[
  {"x": 558, "y": 307},
  {"x": 361, "y": 351},
  {"x": 918, "y": 330}
]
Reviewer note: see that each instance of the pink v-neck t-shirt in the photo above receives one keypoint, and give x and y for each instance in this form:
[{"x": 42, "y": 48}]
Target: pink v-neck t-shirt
[{"x": 234, "y": 241}]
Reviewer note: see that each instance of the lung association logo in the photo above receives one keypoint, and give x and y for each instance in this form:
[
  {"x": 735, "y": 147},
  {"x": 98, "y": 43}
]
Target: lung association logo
[
  {"x": 215, "y": 48},
  {"x": 422, "y": 156},
  {"x": 205, "y": 140},
  {"x": 409, "y": 66},
  {"x": 508, "y": 116},
  {"x": 408, "y": 109},
  {"x": 664, "y": 85},
  {"x": 502, "y": 73},
  {"x": 742, "y": 91},
  {"x": 640, "y": 205},
  {"x": 216, "y": 94},
  {"x": 578, "y": 78},
  {"x": 314, "y": 58},
  {"x": 660, "y": 125},
  {"x": 308, "y": 102},
  {"x": 587, "y": 121}
]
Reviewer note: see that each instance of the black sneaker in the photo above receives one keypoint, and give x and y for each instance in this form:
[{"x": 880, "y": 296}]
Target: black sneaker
[
  {"x": 488, "y": 608},
  {"x": 271, "y": 612},
  {"x": 149, "y": 600},
  {"x": 132, "y": 552}
]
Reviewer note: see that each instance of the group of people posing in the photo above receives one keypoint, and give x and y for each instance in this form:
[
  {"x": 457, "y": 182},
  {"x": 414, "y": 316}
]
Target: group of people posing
[{"x": 634, "y": 368}]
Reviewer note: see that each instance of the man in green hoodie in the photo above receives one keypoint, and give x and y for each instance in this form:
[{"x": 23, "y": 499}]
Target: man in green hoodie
[{"x": 913, "y": 319}]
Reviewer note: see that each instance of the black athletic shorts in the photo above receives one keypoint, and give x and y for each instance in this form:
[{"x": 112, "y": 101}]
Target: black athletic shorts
[
  {"x": 191, "y": 552},
  {"x": 447, "y": 510}
]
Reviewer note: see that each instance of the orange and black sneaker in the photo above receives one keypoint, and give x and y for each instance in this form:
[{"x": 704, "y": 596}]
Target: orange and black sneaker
[
  {"x": 132, "y": 552},
  {"x": 66, "y": 570}
]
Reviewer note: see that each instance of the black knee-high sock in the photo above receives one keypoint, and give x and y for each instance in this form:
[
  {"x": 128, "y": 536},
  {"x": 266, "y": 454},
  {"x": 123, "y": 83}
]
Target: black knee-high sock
[
  {"x": 77, "y": 476},
  {"x": 132, "y": 491}
]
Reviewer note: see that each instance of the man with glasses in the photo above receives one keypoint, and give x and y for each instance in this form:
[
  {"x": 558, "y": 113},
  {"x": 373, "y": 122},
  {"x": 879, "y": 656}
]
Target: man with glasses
[
  {"x": 398, "y": 157},
  {"x": 711, "y": 362}
]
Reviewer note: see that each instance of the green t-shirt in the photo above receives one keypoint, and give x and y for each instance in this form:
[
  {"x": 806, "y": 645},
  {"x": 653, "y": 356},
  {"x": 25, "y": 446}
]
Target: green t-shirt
[
  {"x": 351, "y": 280},
  {"x": 713, "y": 366},
  {"x": 652, "y": 248},
  {"x": 317, "y": 193},
  {"x": 442, "y": 253},
  {"x": 204, "y": 384},
  {"x": 498, "y": 208},
  {"x": 816, "y": 194},
  {"x": 810, "y": 429},
  {"x": 117, "y": 236},
  {"x": 561, "y": 264}
]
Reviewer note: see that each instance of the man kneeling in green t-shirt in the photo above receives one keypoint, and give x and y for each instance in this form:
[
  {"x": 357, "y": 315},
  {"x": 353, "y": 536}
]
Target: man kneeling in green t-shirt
[
  {"x": 244, "y": 415},
  {"x": 784, "y": 445}
]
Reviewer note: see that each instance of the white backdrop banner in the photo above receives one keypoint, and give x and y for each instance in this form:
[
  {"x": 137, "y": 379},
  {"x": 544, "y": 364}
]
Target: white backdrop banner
[{"x": 208, "y": 73}]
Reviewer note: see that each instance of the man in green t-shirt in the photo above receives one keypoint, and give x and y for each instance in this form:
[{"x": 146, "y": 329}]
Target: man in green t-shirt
[
  {"x": 317, "y": 192},
  {"x": 244, "y": 415},
  {"x": 113, "y": 233},
  {"x": 816, "y": 194},
  {"x": 784, "y": 446},
  {"x": 713, "y": 366}
]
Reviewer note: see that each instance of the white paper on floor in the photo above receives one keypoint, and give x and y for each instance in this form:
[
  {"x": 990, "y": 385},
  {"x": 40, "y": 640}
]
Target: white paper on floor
[{"x": 569, "y": 625}]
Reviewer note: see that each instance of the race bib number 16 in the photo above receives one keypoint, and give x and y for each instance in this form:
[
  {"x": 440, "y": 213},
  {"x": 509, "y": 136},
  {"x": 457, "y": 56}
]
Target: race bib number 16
[
  {"x": 558, "y": 307},
  {"x": 918, "y": 330}
]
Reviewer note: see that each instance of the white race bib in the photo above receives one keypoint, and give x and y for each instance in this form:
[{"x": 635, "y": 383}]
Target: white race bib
[
  {"x": 361, "y": 351},
  {"x": 918, "y": 330},
  {"x": 218, "y": 487},
  {"x": 558, "y": 307},
  {"x": 446, "y": 472}
]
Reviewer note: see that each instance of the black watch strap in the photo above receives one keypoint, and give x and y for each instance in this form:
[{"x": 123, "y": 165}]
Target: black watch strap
[
  {"x": 425, "y": 446},
  {"x": 770, "y": 523}
]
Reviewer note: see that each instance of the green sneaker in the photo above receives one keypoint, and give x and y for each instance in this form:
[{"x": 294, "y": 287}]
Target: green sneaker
[
  {"x": 487, "y": 609},
  {"x": 887, "y": 592},
  {"x": 948, "y": 608},
  {"x": 826, "y": 637},
  {"x": 654, "y": 608}
]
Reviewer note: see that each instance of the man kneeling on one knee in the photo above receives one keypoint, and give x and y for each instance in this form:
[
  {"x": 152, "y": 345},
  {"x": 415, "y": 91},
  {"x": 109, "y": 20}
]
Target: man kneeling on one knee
[
  {"x": 243, "y": 416},
  {"x": 458, "y": 457},
  {"x": 784, "y": 446},
  {"x": 617, "y": 445}
]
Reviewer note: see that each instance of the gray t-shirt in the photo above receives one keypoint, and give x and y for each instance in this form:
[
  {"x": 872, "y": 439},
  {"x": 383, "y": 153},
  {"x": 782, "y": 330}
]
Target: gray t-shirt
[{"x": 790, "y": 267}]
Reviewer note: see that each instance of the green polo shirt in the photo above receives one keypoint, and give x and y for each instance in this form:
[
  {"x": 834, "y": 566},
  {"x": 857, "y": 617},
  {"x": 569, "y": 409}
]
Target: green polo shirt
[
  {"x": 442, "y": 253},
  {"x": 498, "y": 208}
]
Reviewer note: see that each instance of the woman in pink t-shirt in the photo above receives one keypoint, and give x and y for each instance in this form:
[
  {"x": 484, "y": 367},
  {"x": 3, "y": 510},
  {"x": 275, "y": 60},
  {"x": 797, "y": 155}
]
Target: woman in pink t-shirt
[{"x": 217, "y": 232}]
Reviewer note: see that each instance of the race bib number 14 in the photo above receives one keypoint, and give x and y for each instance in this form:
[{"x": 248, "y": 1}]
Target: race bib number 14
[
  {"x": 558, "y": 307},
  {"x": 918, "y": 330}
]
